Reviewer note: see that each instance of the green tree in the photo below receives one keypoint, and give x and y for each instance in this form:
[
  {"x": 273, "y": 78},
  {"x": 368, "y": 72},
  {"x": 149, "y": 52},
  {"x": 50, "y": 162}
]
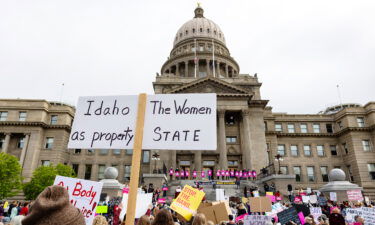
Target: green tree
[
  {"x": 10, "y": 176},
  {"x": 44, "y": 177}
]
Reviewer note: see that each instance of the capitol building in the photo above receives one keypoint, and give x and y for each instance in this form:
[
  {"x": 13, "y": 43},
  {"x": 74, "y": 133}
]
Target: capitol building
[{"x": 250, "y": 135}]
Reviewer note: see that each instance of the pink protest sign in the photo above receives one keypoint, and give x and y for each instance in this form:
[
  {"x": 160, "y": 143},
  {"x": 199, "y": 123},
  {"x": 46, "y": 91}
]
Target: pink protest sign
[
  {"x": 354, "y": 195},
  {"x": 161, "y": 200},
  {"x": 301, "y": 217},
  {"x": 297, "y": 199},
  {"x": 83, "y": 194},
  {"x": 125, "y": 190}
]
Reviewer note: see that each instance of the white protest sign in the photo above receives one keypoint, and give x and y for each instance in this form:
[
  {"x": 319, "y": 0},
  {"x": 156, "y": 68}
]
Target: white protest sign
[
  {"x": 308, "y": 190},
  {"x": 83, "y": 194},
  {"x": 366, "y": 213},
  {"x": 333, "y": 196},
  {"x": 177, "y": 122},
  {"x": 257, "y": 220},
  {"x": 220, "y": 195},
  {"x": 316, "y": 212},
  {"x": 354, "y": 195},
  {"x": 143, "y": 202},
  {"x": 305, "y": 198},
  {"x": 313, "y": 199}
]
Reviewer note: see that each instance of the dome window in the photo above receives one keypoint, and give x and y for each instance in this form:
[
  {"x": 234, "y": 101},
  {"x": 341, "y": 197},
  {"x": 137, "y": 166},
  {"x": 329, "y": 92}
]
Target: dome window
[
  {"x": 215, "y": 32},
  {"x": 193, "y": 30},
  {"x": 219, "y": 34},
  {"x": 201, "y": 29},
  {"x": 186, "y": 32},
  {"x": 180, "y": 34},
  {"x": 208, "y": 30}
]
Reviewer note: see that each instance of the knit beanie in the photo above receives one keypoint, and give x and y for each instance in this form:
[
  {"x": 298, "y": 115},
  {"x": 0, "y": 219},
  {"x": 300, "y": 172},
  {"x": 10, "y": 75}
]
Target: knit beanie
[{"x": 52, "y": 207}]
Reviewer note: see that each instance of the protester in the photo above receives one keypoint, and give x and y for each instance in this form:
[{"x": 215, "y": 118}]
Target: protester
[
  {"x": 100, "y": 220},
  {"x": 335, "y": 218},
  {"x": 51, "y": 205},
  {"x": 144, "y": 220},
  {"x": 163, "y": 217},
  {"x": 199, "y": 219},
  {"x": 323, "y": 220},
  {"x": 25, "y": 209},
  {"x": 1, "y": 211},
  {"x": 359, "y": 219},
  {"x": 231, "y": 220}
]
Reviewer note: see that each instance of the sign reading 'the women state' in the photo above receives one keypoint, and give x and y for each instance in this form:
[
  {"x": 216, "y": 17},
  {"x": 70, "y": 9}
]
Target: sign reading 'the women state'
[{"x": 175, "y": 121}]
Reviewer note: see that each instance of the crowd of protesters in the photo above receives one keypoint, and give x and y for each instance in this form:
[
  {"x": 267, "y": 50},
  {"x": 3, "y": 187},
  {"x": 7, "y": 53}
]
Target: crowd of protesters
[{"x": 53, "y": 207}]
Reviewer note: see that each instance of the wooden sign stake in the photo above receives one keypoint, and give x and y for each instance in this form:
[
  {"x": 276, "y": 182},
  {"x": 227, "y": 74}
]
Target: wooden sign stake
[{"x": 136, "y": 160}]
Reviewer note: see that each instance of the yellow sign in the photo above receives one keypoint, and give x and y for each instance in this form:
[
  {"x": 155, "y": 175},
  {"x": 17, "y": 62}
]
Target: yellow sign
[
  {"x": 187, "y": 202},
  {"x": 269, "y": 193},
  {"x": 102, "y": 209},
  {"x": 244, "y": 200}
]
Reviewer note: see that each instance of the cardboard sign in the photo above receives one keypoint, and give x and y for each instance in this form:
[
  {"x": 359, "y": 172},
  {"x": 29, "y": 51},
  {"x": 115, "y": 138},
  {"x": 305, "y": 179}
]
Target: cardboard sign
[
  {"x": 354, "y": 195},
  {"x": 366, "y": 213},
  {"x": 178, "y": 122},
  {"x": 187, "y": 202},
  {"x": 316, "y": 212},
  {"x": 333, "y": 196},
  {"x": 83, "y": 194},
  {"x": 287, "y": 215},
  {"x": 215, "y": 211},
  {"x": 256, "y": 220},
  {"x": 143, "y": 203},
  {"x": 260, "y": 204},
  {"x": 102, "y": 209}
]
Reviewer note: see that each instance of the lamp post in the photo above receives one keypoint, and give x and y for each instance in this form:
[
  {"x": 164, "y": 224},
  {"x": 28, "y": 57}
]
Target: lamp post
[
  {"x": 279, "y": 158},
  {"x": 155, "y": 157}
]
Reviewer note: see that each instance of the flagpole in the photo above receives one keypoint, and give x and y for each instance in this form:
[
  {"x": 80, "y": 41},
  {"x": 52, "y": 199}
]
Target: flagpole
[
  {"x": 213, "y": 58},
  {"x": 195, "y": 58}
]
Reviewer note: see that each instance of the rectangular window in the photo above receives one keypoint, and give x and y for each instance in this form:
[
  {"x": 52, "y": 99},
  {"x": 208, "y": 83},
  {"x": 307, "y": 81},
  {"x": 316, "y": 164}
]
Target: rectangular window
[
  {"x": 22, "y": 116},
  {"x": 371, "y": 170},
  {"x": 310, "y": 173},
  {"x": 329, "y": 128},
  {"x": 193, "y": 49},
  {"x": 281, "y": 150},
  {"x": 366, "y": 145},
  {"x": 103, "y": 151},
  {"x": 316, "y": 128},
  {"x": 77, "y": 151},
  {"x": 333, "y": 149},
  {"x": 284, "y": 170},
  {"x": 75, "y": 167},
  {"x": 3, "y": 116},
  {"x": 345, "y": 148},
  {"x": 278, "y": 127},
  {"x": 90, "y": 151},
  {"x": 291, "y": 128},
  {"x": 88, "y": 168},
  {"x": 307, "y": 150},
  {"x": 324, "y": 172},
  {"x": 129, "y": 151},
  {"x": 127, "y": 170},
  {"x": 54, "y": 119},
  {"x": 320, "y": 150},
  {"x": 101, "y": 171},
  {"x": 303, "y": 127},
  {"x": 116, "y": 151},
  {"x": 297, "y": 172},
  {"x": 146, "y": 156},
  {"x": 350, "y": 173},
  {"x": 294, "y": 150},
  {"x": 46, "y": 162},
  {"x": 361, "y": 121},
  {"x": 231, "y": 139},
  {"x": 21, "y": 143},
  {"x": 201, "y": 48},
  {"x": 49, "y": 143},
  {"x": 233, "y": 163},
  {"x": 2, "y": 143},
  {"x": 340, "y": 124}
]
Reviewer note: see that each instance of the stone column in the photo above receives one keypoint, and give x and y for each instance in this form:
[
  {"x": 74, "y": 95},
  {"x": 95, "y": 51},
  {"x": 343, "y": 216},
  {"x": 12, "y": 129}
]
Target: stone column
[
  {"x": 177, "y": 70},
  {"x": 6, "y": 143},
  {"x": 81, "y": 171},
  {"x": 217, "y": 71},
  {"x": 24, "y": 149},
  {"x": 246, "y": 139},
  {"x": 226, "y": 71},
  {"x": 207, "y": 67},
  {"x": 173, "y": 162},
  {"x": 198, "y": 160},
  {"x": 186, "y": 68},
  {"x": 223, "y": 161},
  {"x": 94, "y": 171}
]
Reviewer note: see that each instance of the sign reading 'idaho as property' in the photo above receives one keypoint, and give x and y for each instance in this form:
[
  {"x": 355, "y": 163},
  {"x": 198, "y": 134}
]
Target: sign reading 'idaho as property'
[{"x": 178, "y": 122}]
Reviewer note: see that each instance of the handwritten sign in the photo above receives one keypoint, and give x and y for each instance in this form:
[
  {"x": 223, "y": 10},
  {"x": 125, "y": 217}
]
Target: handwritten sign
[
  {"x": 178, "y": 122},
  {"x": 143, "y": 202},
  {"x": 83, "y": 194},
  {"x": 366, "y": 213},
  {"x": 287, "y": 215},
  {"x": 256, "y": 220},
  {"x": 187, "y": 202},
  {"x": 316, "y": 212},
  {"x": 354, "y": 195}
]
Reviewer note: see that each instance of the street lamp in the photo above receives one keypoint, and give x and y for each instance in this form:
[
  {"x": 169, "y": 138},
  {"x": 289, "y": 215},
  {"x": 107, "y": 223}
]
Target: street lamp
[
  {"x": 155, "y": 157},
  {"x": 279, "y": 158}
]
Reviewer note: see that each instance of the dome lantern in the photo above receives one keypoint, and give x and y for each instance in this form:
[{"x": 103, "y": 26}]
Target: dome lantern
[{"x": 199, "y": 12}]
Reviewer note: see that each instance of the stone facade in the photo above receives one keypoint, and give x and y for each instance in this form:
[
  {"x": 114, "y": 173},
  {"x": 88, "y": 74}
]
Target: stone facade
[{"x": 250, "y": 135}]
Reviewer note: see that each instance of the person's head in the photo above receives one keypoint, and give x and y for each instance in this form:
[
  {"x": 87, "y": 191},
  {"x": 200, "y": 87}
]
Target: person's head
[
  {"x": 336, "y": 210},
  {"x": 52, "y": 204},
  {"x": 144, "y": 220},
  {"x": 17, "y": 220},
  {"x": 163, "y": 217},
  {"x": 230, "y": 217},
  {"x": 241, "y": 206},
  {"x": 359, "y": 219},
  {"x": 199, "y": 219},
  {"x": 210, "y": 222},
  {"x": 25, "y": 204},
  {"x": 308, "y": 220},
  {"x": 100, "y": 220}
]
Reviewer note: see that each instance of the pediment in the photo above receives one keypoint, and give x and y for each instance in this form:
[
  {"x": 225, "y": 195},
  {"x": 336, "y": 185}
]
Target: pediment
[{"x": 209, "y": 85}]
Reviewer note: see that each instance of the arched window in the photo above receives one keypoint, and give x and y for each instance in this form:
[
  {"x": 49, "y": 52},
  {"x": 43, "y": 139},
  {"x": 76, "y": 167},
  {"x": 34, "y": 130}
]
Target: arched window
[
  {"x": 201, "y": 29},
  {"x": 186, "y": 32},
  {"x": 193, "y": 30},
  {"x": 208, "y": 30},
  {"x": 215, "y": 32},
  {"x": 219, "y": 34}
]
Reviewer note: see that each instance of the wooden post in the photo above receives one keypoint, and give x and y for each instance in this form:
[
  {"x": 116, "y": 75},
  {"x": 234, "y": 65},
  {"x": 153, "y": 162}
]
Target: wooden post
[{"x": 136, "y": 160}]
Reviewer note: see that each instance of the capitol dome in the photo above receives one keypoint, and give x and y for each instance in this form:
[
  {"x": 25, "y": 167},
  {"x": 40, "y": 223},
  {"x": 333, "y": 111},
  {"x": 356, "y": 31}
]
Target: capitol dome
[{"x": 199, "y": 27}]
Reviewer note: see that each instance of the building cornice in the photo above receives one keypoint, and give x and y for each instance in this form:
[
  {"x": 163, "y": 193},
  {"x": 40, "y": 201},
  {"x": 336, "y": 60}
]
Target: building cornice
[{"x": 35, "y": 124}]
